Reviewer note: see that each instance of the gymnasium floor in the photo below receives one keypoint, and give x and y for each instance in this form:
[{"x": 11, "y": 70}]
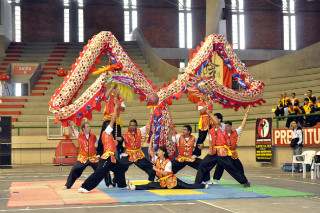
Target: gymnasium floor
[{"x": 265, "y": 176}]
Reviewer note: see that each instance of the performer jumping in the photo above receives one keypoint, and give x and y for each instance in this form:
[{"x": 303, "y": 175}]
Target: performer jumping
[
  {"x": 87, "y": 154},
  {"x": 107, "y": 162},
  {"x": 185, "y": 143},
  {"x": 232, "y": 137},
  {"x": 167, "y": 180},
  {"x": 134, "y": 154},
  {"x": 218, "y": 154}
]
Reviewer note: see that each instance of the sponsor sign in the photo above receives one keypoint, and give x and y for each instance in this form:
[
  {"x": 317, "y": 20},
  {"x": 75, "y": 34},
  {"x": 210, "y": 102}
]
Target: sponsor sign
[
  {"x": 263, "y": 139},
  {"x": 282, "y": 137}
]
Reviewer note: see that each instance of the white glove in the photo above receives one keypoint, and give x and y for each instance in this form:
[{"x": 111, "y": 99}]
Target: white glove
[{"x": 193, "y": 156}]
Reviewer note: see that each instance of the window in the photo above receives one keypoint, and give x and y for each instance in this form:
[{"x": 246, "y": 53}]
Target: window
[
  {"x": 238, "y": 25},
  {"x": 17, "y": 23},
  {"x": 66, "y": 25},
  {"x": 289, "y": 25},
  {"x": 80, "y": 21},
  {"x": 17, "y": 19},
  {"x": 130, "y": 17},
  {"x": 185, "y": 24}
]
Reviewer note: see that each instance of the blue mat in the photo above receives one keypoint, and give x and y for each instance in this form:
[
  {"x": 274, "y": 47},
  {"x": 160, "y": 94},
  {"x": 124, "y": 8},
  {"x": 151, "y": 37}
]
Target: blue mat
[{"x": 214, "y": 192}]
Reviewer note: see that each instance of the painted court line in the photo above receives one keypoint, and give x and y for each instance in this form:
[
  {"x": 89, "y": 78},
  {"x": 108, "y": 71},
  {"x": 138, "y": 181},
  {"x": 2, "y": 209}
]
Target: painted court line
[
  {"x": 92, "y": 207},
  {"x": 219, "y": 207}
]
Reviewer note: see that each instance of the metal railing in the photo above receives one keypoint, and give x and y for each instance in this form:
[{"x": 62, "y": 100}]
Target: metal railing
[{"x": 293, "y": 116}]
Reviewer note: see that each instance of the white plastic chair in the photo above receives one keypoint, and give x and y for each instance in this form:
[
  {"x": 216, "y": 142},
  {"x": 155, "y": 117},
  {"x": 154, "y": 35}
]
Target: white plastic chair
[
  {"x": 316, "y": 167},
  {"x": 308, "y": 157}
]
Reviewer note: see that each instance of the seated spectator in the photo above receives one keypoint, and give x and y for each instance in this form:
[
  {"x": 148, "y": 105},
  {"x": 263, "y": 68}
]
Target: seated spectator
[
  {"x": 279, "y": 111},
  {"x": 316, "y": 109},
  {"x": 285, "y": 102},
  {"x": 294, "y": 100},
  {"x": 311, "y": 98},
  {"x": 306, "y": 109},
  {"x": 293, "y": 110}
]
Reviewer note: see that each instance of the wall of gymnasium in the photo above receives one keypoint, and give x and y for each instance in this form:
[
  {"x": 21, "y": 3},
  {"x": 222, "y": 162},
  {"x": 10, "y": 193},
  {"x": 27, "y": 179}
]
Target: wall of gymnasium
[
  {"x": 264, "y": 27},
  {"x": 43, "y": 21}
]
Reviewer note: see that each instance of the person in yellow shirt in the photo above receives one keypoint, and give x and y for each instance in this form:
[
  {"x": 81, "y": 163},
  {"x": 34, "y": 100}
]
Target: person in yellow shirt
[
  {"x": 311, "y": 98},
  {"x": 306, "y": 109}
]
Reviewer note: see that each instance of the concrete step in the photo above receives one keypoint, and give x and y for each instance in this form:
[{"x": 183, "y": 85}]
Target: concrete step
[
  {"x": 314, "y": 74},
  {"x": 299, "y": 83}
]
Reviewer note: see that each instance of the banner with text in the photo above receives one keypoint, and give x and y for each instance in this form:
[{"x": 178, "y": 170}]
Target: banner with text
[
  {"x": 282, "y": 137},
  {"x": 263, "y": 139}
]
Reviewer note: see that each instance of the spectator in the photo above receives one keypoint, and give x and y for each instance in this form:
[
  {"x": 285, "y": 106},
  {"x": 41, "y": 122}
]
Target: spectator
[
  {"x": 293, "y": 110},
  {"x": 316, "y": 109},
  {"x": 306, "y": 109},
  {"x": 294, "y": 100},
  {"x": 285, "y": 102},
  {"x": 311, "y": 98},
  {"x": 279, "y": 110},
  {"x": 297, "y": 143}
]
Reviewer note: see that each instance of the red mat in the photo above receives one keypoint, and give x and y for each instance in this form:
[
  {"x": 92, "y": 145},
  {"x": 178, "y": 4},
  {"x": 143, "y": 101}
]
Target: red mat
[{"x": 49, "y": 193}]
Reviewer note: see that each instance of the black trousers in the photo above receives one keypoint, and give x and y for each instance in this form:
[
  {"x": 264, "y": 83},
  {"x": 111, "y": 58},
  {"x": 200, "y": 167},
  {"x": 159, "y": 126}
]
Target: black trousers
[
  {"x": 279, "y": 112},
  {"x": 226, "y": 162},
  {"x": 120, "y": 148},
  {"x": 177, "y": 166},
  {"x": 201, "y": 139},
  {"x": 104, "y": 167},
  {"x": 77, "y": 170},
  {"x": 143, "y": 164},
  {"x": 219, "y": 169},
  {"x": 180, "y": 185}
]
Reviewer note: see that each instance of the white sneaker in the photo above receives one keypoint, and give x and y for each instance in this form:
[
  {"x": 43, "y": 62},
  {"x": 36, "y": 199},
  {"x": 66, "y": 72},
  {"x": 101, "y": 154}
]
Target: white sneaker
[
  {"x": 207, "y": 186},
  {"x": 110, "y": 186},
  {"x": 131, "y": 186},
  {"x": 207, "y": 182},
  {"x": 64, "y": 188},
  {"x": 215, "y": 182},
  {"x": 83, "y": 190}
]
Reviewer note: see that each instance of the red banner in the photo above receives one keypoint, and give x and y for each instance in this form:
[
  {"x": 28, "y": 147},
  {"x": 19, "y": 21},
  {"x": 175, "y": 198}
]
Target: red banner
[
  {"x": 24, "y": 70},
  {"x": 282, "y": 137}
]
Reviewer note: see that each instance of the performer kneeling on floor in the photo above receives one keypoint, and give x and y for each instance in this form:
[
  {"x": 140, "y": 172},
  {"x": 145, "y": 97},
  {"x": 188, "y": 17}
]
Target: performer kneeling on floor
[
  {"x": 185, "y": 143},
  {"x": 232, "y": 137},
  {"x": 134, "y": 154},
  {"x": 218, "y": 153},
  {"x": 107, "y": 162},
  {"x": 167, "y": 180}
]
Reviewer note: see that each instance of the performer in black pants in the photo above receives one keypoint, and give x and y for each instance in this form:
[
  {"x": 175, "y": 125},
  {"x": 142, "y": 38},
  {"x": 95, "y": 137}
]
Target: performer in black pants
[
  {"x": 107, "y": 162},
  {"x": 112, "y": 97},
  {"x": 134, "y": 154},
  {"x": 218, "y": 153},
  {"x": 232, "y": 138},
  {"x": 204, "y": 107},
  {"x": 167, "y": 179},
  {"x": 87, "y": 154},
  {"x": 185, "y": 144}
]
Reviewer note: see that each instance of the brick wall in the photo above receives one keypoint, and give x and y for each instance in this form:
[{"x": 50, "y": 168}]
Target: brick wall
[
  {"x": 307, "y": 23},
  {"x": 101, "y": 15},
  {"x": 173, "y": 62},
  {"x": 42, "y": 21},
  {"x": 263, "y": 25},
  {"x": 198, "y": 22},
  {"x": 158, "y": 21}
]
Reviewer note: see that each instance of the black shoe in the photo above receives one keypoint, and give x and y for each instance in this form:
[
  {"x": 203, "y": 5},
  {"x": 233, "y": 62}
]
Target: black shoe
[{"x": 246, "y": 185}]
